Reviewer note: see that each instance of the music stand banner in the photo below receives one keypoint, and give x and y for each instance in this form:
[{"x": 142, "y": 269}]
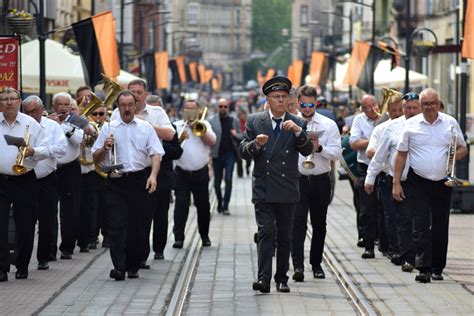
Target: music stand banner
[{"x": 9, "y": 48}]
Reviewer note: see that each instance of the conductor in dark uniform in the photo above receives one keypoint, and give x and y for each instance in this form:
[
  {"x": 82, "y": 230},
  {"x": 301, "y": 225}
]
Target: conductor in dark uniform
[{"x": 274, "y": 139}]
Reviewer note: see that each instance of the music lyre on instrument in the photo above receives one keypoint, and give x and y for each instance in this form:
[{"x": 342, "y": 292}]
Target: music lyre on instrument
[{"x": 19, "y": 166}]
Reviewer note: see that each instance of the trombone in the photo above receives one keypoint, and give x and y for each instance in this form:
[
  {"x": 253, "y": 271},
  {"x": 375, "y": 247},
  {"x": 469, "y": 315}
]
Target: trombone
[
  {"x": 199, "y": 128},
  {"x": 19, "y": 166}
]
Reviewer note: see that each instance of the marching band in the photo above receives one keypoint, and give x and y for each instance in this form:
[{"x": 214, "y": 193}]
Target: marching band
[{"x": 115, "y": 176}]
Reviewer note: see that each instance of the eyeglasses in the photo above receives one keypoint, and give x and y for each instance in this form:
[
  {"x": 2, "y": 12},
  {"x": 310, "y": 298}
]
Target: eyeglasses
[
  {"x": 98, "y": 113},
  {"x": 6, "y": 100},
  {"x": 32, "y": 111},
  {"x": 411, "y": 96},
  {"x": 431, "y": 104},
  {"x": 307, "y": 105},
  {"x": 279, "y": 96},
  {"x": 223, "y": 106}
]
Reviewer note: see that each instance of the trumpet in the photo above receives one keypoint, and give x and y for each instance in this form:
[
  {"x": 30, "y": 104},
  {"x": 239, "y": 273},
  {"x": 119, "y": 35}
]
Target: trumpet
[
  {"x": 199, "y": 128},
  {"x": 308, "y": 163},
  {"x": 451, "y": 180},
  {"x": 113, "y": 168},
  {"x": 19, "y": 166}
]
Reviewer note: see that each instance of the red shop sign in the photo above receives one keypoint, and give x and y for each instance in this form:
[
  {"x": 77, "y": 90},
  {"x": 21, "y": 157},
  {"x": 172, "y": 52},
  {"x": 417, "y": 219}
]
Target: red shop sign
[{"x": 9, "y": 62}]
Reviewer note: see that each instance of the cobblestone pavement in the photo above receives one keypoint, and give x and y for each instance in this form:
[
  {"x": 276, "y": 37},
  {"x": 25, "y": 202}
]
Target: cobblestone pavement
[{"x": 225, "y": 272}]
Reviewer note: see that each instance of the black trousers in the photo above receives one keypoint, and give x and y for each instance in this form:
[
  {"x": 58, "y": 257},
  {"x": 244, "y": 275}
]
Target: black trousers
[
  {"x": 315, "y": 192},
  {"x": 22, "y": 191},
  {"x": 404, "y": 216},
  {"x": 197, "y": 183},
  {"x": 47, "y": 209},
  {"x": 356, "y": 202},
  {"x": 99, "y": 220},
  {"x": 88, "y": 209},
  {"x": 125, "y": 198},
  {"x": 368, "y": 209},
  {"x": 69, "y": 181},
  {"x": 267, "y": 215},
  {"x": 430, "y": 202}
]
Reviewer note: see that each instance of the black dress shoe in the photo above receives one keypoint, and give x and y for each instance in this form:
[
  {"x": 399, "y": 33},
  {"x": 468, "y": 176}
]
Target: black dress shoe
[
  {"x": 298, "y": 276},
  {"x": 283, "y": 287},
  {"x": 85, "y": 249},
  {"x": 407, "y": 267},
  {"x": 206, "y": 242},
  {"x": 318, "y": 273},
  {"x": 21, "y": 275},
  {"x": 368, "y": 254},
  {"x": 66, "y": 256},
  {"x": 262, "y": 286},
  {"x": 52, "y": 258},
  {"x": 159, "y": 256},
  {"x": 396, "y": 259},
  {"x": 144, "y": 266},
  {"x": 43, "y": 266},
  {"x": 361, "y": 243},
  {"x": 423, "y": 277},
  {"x": 178, "y": 244},
  {"x": 437, "y": 276},
  {"x": 93, "y": 245},
  {"x": 255, "y": 238},
  {"x": 105, "y": 243},
  {"x": 132, "y": 275},
  {"x": 226, "y": 212},
  {"x": 117, "y": 275},
  {"x": 3, "y": 276}
]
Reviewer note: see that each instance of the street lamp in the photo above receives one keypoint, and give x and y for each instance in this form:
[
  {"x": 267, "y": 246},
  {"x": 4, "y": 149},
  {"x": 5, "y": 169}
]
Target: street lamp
[
  {"x": 409, "y": 45},
  {"x": 372, "y": 6},
  {"x": 350, "y": 34}
]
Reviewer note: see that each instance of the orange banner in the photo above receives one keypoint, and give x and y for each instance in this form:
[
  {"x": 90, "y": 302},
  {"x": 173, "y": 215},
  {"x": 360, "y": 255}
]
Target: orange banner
[
  {"x": 181, "y": 69},
  {"x": 316, "y": 67},
  {"x": 270, "y": 74},
  {"x": 193, "y": 71},
  {"x": 291, "y": 73},
  {"x": 260, "y": 78},
  {"x": 467, "y": 50},
  {"x": 161, "y": 70},
  {"x": 208, "y": 75},
  {"x": 104, "y": 27},
  {"x": 359, "y": 55},
  {"x": 202, "y": 73},
  {"x": 297, "y": 72}
]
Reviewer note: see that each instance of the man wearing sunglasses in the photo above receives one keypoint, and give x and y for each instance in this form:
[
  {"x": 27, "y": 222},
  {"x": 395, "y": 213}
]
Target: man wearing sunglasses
[
  {"x": 274, "y": 139},
  {"x": 314, "y": 184},
  {"x": 424, "y": 144}
]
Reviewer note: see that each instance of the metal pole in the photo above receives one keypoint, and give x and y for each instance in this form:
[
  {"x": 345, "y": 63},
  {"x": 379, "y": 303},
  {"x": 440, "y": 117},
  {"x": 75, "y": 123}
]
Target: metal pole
[
  {"x": 122, "y": 7},
  {"x": 350, "y": 47},
  {"x": 42, "y": 52},
  {"x": 408, "y": 47},
  {"x": 140, "y": 17},
  {"x": 92, "y": 7},
  {"x": 372, "y": 83}
]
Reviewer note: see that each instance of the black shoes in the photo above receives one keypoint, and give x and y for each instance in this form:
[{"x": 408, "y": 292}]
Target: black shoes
[
  {"x": 178, "y": 244},
  {"x": 3, "y": 276},
  {"x": 225, "y": 212},
  {"x": 206, "y": 242},
  {"x": 43, "y": 266},
  {"x": 159, "y": 256},
  {"x": 396, "y": 259},
  {"x": 407, "y": 267},
  {"x": 132, "y": 275},
  {"x": 21, "y": 275},
  {"x": 85, "y": 249},
  {"x": 105, "y": 243},
  {"x": 66, "y": 256},
  {"x": 437, "y": 277},
  {"x": 283, "y": 287},
  {"x": 262, "y": 286},
  {"x": 361, "y": 243},
  {"x": 368, "y": 254},
  {"x": 144, "y": 266},
  {"x": 117, "y": 275},
  {"x": 423, "y": 277},
  {"x": 318, "y": 273},
  {"x": 298, "y": 276}
]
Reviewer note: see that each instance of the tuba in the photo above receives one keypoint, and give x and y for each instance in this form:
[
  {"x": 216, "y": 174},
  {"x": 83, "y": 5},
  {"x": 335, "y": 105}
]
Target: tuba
[
  {"x": 19, "y": 166},
  {"x": 387, "y": 95},
  {"x": 111, "y": 90}
]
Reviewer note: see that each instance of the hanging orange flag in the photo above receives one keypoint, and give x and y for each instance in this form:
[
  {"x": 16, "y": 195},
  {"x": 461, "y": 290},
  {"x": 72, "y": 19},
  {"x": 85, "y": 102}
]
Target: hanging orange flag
[
  {"x": 297, "y": 72},
  {"x": 104, "y": 27},
  {"x": 316, "y": 68},
  {"x": 202, "y": 73},
  {"x": 181, "y": 69},
  {"x": 291, "y": 73},
  {"x": 161, "y": 69},
  {"x": 193, "y": 71},
  {"x": 270, "y": 74},
  {"x": 467, "y": 50},
  {"x": 359, "y": 55},
  {"x": 208, "y": 75},
  {"x": 260, "y": 78}
]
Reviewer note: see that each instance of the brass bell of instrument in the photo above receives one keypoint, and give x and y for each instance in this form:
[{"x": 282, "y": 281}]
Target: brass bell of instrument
[{"x": 19, "y": 166}]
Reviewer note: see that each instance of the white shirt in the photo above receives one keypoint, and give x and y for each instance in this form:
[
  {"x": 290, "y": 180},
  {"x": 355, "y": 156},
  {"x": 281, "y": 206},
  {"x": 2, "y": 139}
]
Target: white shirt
[
  {"x": 362, "y": 128},
  {"x": 387, "y": 152},
  {"x": 330, "y": 140},
  {"x": 57, "y": 144},
  {"x": 427, "y": 144},
  {"x": 37, "y": 140},
  {"x": 135, "y": 142},
  {"x": 195, "y": 153},
  {"x": 375, "y": 141},
  {"x": 73, "y": 143}
]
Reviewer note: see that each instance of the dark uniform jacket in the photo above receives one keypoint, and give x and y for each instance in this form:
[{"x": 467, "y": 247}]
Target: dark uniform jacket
[{"x": 275, "y": 174}]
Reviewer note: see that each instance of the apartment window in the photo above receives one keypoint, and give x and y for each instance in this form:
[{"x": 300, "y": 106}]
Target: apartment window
[
  {"x": 193, "y": 13},
  {"x": 304, "y": 15}
]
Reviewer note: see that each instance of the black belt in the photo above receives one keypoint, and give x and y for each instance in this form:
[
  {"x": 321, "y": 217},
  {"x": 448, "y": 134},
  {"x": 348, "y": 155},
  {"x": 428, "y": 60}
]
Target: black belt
[
  {"x": 131, "y": 174},
  {"x": 61, "y": 165},
  {"x": 10, "y": 176},
  {"x": 316, "y": 177},
  {"x": 190, "y": 173}
]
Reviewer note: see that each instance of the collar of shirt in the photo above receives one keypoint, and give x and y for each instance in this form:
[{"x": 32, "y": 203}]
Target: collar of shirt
[
  {"x": 121, "y": 122},
  {"x": 439, "y": 119},
  {"x": 4, "y": 121},
  {"x": 273, "y": 116}
]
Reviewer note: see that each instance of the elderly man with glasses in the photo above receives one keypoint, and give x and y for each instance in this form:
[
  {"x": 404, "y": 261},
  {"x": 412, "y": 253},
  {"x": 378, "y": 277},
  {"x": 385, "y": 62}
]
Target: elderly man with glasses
[{"x": 424, "y": 145}]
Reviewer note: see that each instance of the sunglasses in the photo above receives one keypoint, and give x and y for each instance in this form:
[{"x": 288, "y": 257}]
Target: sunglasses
[
  {"x": 223, "y": 106},
  {"x": 98, "y": 113},
  {"x": 305, "y": 105},
  {"x": 411, "y": 96}
]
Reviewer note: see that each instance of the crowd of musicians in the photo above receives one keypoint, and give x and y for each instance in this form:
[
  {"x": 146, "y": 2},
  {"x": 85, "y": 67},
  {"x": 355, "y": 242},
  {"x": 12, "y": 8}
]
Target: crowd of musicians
[{"x": 114, "y": 175}]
